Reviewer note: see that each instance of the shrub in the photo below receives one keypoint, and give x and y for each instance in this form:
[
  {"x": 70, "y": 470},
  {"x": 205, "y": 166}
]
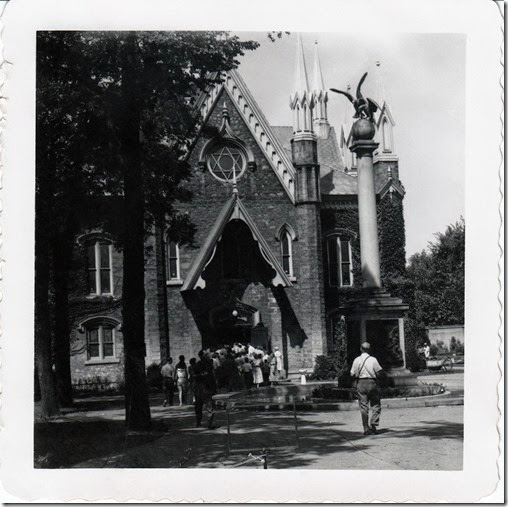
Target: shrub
[
  {"x": 325, "y": 368},
  {"x": 414, "y": 335}
]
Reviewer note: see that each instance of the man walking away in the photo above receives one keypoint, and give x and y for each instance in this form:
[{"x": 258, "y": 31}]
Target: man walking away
[
  {"x": 168, "y": 383},
  {"x": 366, "y": 369}
]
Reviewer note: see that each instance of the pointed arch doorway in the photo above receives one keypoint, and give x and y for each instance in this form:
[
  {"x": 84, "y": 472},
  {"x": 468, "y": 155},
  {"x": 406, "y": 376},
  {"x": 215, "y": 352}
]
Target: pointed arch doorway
[
  {"x": 236, "y": 265},
  {"x": 238, "y": 322}
]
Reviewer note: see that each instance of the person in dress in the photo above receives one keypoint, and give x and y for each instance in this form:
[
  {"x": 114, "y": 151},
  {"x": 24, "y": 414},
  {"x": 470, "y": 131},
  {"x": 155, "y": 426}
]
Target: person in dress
[
  {"x": 278, "y": 358},
  {"x": 182, "y": 379},
  {"x": 272, "y": 361},
  {"x": 256, "y": 369}
]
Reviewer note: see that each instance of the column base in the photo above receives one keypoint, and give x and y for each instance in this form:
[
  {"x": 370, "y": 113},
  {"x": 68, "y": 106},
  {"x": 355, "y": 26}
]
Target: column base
[{"x": 377, "y": 318}]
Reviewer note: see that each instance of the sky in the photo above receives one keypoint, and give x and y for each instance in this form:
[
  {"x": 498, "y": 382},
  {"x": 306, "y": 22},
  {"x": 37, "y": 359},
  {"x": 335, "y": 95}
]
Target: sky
[{"x": 423, "y": 78}]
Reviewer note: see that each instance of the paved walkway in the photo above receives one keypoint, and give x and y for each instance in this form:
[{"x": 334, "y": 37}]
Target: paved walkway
[{"x": 413, "y": 438}]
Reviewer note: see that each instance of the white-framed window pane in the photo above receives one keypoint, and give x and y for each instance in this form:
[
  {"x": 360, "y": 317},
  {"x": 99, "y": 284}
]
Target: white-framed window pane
[
  {"x": 93, "y": 345},
  {"x": 92, "y": 269},
  {"x": 90, "y": 254},
  {"x": 105, "y": 281},
  {"x": 92, "y": 281},
  {"x": 286, "y": 253},
  {"x": 345, "y": 262},
  {"x": 333, "y": 264},
  {"x": 104, "y": 253},
  {"x": 173, "y": 260},
  {"x": 346, "y": 274},
  {"x": 99, "y": 268},
  {"x": 107, "y": 342}
]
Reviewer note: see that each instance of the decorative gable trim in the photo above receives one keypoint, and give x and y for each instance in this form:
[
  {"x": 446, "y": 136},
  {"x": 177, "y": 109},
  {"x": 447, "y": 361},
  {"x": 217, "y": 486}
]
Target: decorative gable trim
[
  {"x": 382, "y": 153},
  {"x": 385, "y": 112},
  {"x": 253, "y": 117},
  {"x": 392, "y": 186},
  {"x": 233, "y": 209}
]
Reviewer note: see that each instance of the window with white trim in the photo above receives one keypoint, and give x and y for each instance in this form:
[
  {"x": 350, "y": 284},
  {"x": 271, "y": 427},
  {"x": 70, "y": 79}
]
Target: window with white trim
[
  {"x": 100, "y": 267},
  {"x": 100, "y": 342},
  {"x": 340, "y": 265},
  {"x": 173, "y": 261},
  {"x": 286, "y": 244},
  {"x": 286, "y": 235}
]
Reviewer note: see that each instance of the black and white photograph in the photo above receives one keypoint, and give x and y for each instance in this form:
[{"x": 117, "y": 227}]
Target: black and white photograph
[{"x": 254, "y": 250}]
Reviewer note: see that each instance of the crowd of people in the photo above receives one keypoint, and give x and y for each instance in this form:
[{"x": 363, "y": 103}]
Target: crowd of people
[{"x": 233, "y": 367}]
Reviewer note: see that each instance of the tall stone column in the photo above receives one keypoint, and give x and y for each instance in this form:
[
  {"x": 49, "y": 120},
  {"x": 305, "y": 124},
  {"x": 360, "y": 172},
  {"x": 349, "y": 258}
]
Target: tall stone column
[
  {"x": 367, "y": 213},
  {"x": 375, "y": 316}
]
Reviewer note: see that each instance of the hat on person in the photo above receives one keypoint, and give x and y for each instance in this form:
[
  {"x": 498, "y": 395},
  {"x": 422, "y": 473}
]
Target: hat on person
[
  {"x": 276, "y": 348},
  {"x": 365, "y": 346}
]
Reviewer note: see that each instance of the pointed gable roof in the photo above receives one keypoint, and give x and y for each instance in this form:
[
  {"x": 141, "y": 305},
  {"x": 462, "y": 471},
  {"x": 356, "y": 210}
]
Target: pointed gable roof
[
  {"x": 258, "y": 125},
  {"x": 232, "y": 209}
]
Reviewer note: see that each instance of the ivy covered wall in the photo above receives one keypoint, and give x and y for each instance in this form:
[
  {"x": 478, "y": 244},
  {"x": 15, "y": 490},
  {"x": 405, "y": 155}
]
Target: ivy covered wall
[{"x": 392, "y": 236}]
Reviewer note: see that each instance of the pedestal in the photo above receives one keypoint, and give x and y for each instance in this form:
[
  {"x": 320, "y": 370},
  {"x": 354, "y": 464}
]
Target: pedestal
[{"x": 378, "y": 318}]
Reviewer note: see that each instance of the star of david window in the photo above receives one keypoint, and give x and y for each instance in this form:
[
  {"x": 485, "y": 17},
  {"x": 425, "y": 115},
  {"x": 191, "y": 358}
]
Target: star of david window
[{"x": 226, "y": 162}]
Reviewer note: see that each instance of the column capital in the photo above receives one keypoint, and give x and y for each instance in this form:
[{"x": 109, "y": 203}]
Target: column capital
[{"x": 364, "y": 148}]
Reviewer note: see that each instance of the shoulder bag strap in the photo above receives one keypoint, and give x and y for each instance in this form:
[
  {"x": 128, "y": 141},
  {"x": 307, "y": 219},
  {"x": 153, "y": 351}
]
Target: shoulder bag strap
[{"x": 361, "y": 367}]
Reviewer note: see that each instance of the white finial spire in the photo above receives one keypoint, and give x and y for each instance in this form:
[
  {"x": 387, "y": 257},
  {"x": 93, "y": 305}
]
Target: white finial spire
[
  {"x": 320, "y": 96},
  {"x": 380, "y": 89},
  {"x": 301, "y": 101},
  {"x": 301, "y": 84},
  {"x": 385, "y": 121},
  {"x": 318, "y": 83}
]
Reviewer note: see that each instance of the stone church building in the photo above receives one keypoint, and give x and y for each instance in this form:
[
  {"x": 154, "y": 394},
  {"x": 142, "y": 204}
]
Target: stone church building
[{"x": 276, "y": 250}]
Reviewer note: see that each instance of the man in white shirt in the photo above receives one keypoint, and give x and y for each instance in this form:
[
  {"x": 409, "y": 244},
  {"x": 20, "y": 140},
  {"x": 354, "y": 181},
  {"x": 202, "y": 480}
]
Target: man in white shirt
[{"x": 366, "y": 369}]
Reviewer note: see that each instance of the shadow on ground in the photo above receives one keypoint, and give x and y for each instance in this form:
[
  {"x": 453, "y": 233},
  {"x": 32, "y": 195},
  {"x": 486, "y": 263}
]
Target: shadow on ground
[
  {"x": 64, "y": 444},
  {"x": 177, "y": 443}
]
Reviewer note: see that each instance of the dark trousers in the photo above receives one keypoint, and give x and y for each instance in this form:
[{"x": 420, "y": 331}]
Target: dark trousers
[
  {"x": 168, "y": 385},
  {"x": 203, "y": 398},
  {"x": 368, "y": 397}
]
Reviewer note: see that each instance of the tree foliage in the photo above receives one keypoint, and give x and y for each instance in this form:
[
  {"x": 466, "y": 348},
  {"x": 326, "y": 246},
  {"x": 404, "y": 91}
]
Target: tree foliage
[
  {"x": 115, "y": 118},
  {"x": 438, "y": 276}
]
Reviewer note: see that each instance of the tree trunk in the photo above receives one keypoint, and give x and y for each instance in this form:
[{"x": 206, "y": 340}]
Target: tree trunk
[
  {"x": 62, "y": 251},
  {"x": 49, "y": 403},
  {"x": 137, "y": 409}
]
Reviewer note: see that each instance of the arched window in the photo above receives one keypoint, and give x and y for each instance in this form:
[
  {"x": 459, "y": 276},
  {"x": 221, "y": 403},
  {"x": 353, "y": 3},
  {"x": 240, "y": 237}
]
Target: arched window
[
  {"x": 100, "y": 267},
  {"x": 100, "y": 342},
  {"x": 286, "y": 236},
  {"x": 100, "y": 335},
  {"x": 287, "y": 253},
  {"x": 340, "y": 265},
  {"x": 173, "y": 261}
]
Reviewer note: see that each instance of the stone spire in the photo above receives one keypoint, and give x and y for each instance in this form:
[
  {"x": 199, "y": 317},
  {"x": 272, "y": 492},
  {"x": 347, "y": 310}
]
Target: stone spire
[
  {"x": 385, "y": 123},
  {"x": 301, "y": 100},
  {"x": 320, "y": 95}
]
